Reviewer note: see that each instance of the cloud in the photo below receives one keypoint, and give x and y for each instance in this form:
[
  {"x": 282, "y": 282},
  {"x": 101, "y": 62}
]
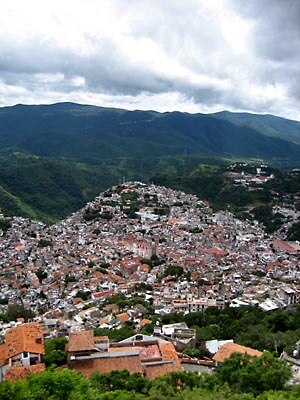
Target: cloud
[
  {"x": 195, "y": 55},
  {"x": 275, "y": 40}
]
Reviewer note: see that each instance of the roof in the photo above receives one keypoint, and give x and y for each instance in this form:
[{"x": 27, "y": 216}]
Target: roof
[
  {"x": 145, "y": 321},
  {"x": 81, "y": 341},
  {"x": 228, "y": 349},
  {"x": 19, "y": 372},
  {"x": 131, "y": 354},
  {"x": 123, "y": 317},
  {"x": 214, "y": 345},
  {"x": 131, "y": 363},
  {"x": 23, "y": 338},
  {"x": 169, "y": 353}
]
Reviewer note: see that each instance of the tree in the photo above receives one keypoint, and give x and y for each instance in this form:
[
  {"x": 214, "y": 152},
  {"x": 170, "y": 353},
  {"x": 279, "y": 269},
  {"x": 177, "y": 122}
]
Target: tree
[
  {"x": 15, "y": 311},
  {"x": 119, "y": 380},
  {"x": 254, "y": 374},
  {"x": 55, "y": 353}
]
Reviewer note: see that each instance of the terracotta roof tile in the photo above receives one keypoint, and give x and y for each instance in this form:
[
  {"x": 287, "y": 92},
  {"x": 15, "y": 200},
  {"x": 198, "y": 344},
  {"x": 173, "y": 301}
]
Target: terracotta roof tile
[
  {"x": 27, "y": 337},
  {"x": 227, "y": 349},
  {"x": 81, "y": 341},
  {"x": 20, "y": 372},
  {"x": 131, "y": 363},
  {"x": 169, "y": 353},
  {"x": 145, "y": 321},
  {"x": 123, "y": 317}
]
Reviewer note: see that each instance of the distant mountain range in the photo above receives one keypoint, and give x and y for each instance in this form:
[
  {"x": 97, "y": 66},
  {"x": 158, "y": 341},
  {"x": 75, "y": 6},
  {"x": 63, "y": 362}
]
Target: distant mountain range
[
  {"x": 80, "y": 131},
  {"x": 54, "y": 158}
]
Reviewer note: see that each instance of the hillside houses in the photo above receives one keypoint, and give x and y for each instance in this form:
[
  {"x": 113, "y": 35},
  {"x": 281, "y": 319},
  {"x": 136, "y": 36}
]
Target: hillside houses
[
  {"x": 21, "y": 352},
  {"x": 80, "y": 263}
]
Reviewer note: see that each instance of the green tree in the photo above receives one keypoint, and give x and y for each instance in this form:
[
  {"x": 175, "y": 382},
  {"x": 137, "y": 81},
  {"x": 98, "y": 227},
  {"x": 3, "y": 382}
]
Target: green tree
[
  {"x": 55, "y": 353},
  {"x": 254, "y": 374}
]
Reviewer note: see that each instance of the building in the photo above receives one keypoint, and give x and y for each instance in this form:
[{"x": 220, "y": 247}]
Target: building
[
  {"x": 21, "y": 352},
  {"x": 228, "y": 349},
  {"x": 151, "y": 357},
  {"x": 179, "y": 334}
]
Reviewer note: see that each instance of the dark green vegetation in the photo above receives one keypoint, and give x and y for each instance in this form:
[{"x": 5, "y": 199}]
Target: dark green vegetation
[
  {"x": 269, "y": 125},
  {"x": 78, "y": 131},
  {"x": 210, "y": 182},
  {"x": 15, "y": 311},
  {"x": 252, "y": 327},
  {"x": 55, "y": 353},
  {"x": 47, "y": 189},
  {"x": 239, "y": 378},
  {"x": 294, "y": 232},
  {"x": 55, "y": 158}
]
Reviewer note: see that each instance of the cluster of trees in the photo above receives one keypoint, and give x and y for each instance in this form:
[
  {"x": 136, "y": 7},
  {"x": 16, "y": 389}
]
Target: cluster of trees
[
  {"x": 276, "y": 331},
  {"x": 294, "y": 232},
  {"x": 238, "y": 378},
  {"x": 5, "y": 224},
  {"x": 15, "y": 311}
]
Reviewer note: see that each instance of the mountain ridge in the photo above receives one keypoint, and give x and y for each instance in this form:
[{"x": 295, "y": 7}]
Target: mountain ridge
[{"x": 73, "y": 130}]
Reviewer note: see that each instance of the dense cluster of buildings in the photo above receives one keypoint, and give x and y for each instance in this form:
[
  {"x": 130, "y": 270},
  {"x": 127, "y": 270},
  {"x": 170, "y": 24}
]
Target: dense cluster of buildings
[{"x": 187, "y": 257}]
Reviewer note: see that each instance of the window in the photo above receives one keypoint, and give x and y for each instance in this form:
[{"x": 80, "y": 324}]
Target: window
[
  {"x": 25, "y": 354},
  {"x": 38, "y": 340}
]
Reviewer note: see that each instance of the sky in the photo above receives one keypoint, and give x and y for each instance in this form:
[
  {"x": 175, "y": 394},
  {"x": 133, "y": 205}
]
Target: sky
[{"x": 165, "y": 55}]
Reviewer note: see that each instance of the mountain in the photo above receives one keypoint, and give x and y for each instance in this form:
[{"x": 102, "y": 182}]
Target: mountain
[
  {"x": 269, "y": 125},
  {"x": 87, "y": 132},
  {"x": 54, "y": 158},
  {"x": 48, "y": 189}
]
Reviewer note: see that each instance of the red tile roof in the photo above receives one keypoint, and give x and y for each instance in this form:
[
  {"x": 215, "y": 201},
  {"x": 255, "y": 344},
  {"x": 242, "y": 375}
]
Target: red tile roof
[
  {"x": 24, "y": 338},
  {"x": 227, "y": 349},
  {"x": 131, "y": 363},
  {"x": 81, "y": 341},
  {"x": 19, "y": 372}
]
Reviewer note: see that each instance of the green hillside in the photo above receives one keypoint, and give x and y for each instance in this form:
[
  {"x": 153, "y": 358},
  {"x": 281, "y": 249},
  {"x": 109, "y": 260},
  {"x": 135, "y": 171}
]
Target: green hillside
[
  {"x": 47, "y": 189},
  {"x": 76, "y": 131},
  {"x": 55, "y": 158},
  {"x": 269, "y": 125}
]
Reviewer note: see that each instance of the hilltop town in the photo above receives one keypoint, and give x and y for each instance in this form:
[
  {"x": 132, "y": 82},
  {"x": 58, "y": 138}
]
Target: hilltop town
[
  {"x": 134, "y": 236},
  {"x": 132, "y": 256}
]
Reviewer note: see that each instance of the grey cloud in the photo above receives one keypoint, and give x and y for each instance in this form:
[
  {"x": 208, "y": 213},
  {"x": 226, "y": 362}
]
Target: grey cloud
[{"x": 187, "y": 35}]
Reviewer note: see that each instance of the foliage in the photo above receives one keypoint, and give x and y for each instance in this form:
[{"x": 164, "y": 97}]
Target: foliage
[
  {"x": 120, "y": 385},
  {"x": 116, "y": 335},
  {"x": 254, "y": 374},
  {"x": 143, "y": 287},
  {"x": 265, "y": 215},
  {"x": 294, "y": 232},
  {"x": 251, "y": 327},
  {"x": 84, "y": 295},
  {"x": 119, "y": 380},
  {"x": 15, "y": 311},
  {"x": 5, "y": 224},
  {"x": 41, "y": 274},
  {"x": 55, "y": 353},
  {"x": 44, "y": 243},
  {"x": 174, "y": 270}
]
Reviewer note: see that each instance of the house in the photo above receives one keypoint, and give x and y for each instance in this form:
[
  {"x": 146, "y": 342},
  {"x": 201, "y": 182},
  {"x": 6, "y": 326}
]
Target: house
[
  {"x": 179, "y": 334},
  {"x": 295, "y": 367},
  {"x": 151, "y": 357},
  {"x": 21, "y": 352},
  {"x": 228, "y": 349}
]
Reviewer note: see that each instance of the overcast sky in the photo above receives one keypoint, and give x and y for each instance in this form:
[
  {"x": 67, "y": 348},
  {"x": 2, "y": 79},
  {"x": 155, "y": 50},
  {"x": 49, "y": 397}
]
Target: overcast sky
[{"x": 186, "y": 55}]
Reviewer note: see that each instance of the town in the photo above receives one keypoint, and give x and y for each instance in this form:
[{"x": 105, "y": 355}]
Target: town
[{"x": 162, "y": 251}]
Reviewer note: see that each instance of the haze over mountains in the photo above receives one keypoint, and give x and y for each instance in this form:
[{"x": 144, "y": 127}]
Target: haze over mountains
[{"x": 54, "y": 158}]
